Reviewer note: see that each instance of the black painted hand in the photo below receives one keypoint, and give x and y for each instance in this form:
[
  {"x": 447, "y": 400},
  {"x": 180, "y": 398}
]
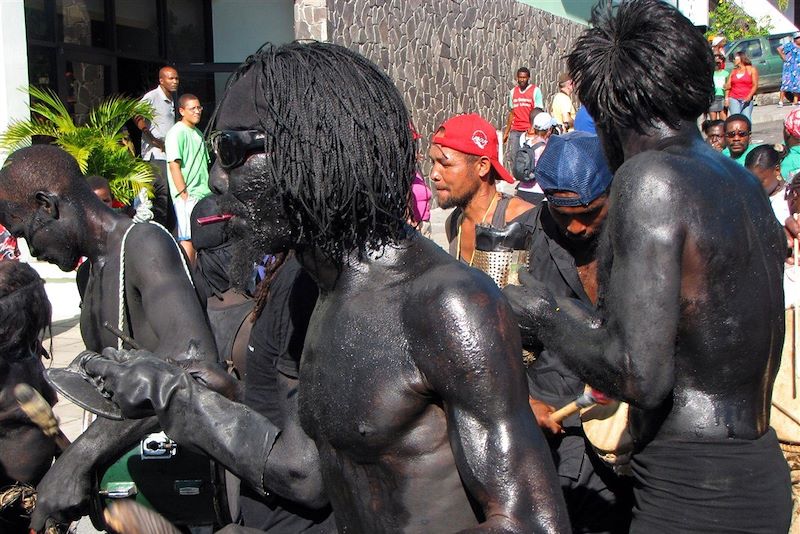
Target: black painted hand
[
  {"x": 140, "y": 384},
  {"x": 212, "y": 376},
  {"x": 530, "y": 302},
  {"x": 63, "y": 493}
]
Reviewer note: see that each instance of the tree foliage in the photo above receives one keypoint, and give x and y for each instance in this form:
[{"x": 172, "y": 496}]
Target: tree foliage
[
  {"x": 97, "y": 146},
  {"x": 733, "y": 22}
]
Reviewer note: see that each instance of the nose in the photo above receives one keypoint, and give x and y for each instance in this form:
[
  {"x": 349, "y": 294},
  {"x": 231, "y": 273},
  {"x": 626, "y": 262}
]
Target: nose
[
  {"x": 576, "y": 227},
  {"x": 218, "y": 179}
]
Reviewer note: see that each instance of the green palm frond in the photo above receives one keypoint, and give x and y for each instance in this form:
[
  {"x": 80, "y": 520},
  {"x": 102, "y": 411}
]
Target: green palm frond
[
  {"x": 96, "y": 146},
  {"x": 110, "y": 115},
  {"x": 51, "y": 108},
  {"x": 20, "y": 132},
  {"x": 125, "y": 188}
]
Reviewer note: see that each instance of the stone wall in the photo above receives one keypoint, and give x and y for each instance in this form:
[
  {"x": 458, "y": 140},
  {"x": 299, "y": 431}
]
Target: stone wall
[{"x": 454, "y": 56}]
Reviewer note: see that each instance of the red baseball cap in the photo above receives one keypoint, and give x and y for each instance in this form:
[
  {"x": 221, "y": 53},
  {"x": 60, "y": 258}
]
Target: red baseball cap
[{"x": 471, "y": 134}]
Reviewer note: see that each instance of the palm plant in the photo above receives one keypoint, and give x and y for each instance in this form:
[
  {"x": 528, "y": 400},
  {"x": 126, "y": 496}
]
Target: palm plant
[{"x": 97, "y": 145}]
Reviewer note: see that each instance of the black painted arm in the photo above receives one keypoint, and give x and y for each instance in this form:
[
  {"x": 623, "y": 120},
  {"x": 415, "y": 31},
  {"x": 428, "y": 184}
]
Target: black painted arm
[
  {"x": 154, "y": 265},
  {"x": 501, "y": 455},
  {"x": 626, "y": 348}
]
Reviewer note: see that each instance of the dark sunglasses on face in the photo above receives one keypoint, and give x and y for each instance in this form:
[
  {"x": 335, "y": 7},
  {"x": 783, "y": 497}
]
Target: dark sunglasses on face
[
  {"x": 232, "y": 146},
  {"x": 739, "y": 133}
]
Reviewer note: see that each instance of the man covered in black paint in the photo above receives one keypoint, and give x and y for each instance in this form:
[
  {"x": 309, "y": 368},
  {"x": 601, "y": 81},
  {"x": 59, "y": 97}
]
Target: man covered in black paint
[
  {"x": 45, "y": 199},
  {"x": 399, "y": 422},
  {"x": 690, "y": 318}
]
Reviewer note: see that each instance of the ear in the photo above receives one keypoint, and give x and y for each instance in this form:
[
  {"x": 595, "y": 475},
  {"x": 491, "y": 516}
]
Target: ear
[
  {"x": 484, "y": 165},
  {"x": 47, "y": 202}
]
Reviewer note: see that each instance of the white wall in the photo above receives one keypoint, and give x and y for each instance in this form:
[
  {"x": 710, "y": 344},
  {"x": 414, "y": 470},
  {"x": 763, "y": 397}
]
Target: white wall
[
  {"x": 781, "y": 20},
  {"x": 13, "y": 63}
]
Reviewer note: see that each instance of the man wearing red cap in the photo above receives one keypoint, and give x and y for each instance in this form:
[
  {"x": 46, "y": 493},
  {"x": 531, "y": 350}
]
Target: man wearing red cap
[
  {"x": 466, "y": 167},
  {"x": 791, "y": 136}
]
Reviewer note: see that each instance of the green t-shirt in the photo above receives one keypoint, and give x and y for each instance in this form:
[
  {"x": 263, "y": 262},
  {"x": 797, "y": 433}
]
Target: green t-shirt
[
  {"x": 740, "y": 159},
  {"x": 791, "y": 163},
  {"x": 720, "y": 77},
  {"x": 187, "y": 145}
]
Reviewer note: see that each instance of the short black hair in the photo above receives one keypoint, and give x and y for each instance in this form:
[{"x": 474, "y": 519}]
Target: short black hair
[
  {"x": 738, "y": 117},
  {"x": 765, "y": 157},
  {"x": 631, "y": 71},
  {"x": 185, "y": 98},
  {"x": 97, "y": 182},
  {"x": 708, "y": 124},
  {"x": 524, "y": 70}
]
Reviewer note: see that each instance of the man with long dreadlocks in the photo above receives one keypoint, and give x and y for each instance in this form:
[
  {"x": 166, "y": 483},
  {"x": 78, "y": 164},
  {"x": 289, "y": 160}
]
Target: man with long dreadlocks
[
  {"x": 411, "y": 408},
  {"x": 690, "y": 316}
]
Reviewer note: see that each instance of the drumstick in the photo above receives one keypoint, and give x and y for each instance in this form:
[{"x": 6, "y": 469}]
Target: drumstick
[
  {"x": 40, "y": 413},
  {"x": 122, "y": 335},
  {"x": 213, "y": 219},
  {"x": 785, "y": 412},
  {"x": 588, "y": 398}
]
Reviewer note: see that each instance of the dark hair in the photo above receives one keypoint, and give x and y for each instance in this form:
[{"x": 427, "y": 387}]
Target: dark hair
[
  {"x": 745, "y": 59},
  {"x": 524, "y": 70},
  {"x": 24, "y": 307},
  {"x": 708, "y": 124},
  {"x": 185, "y": 98},
  {"x": 630, "y": 70},
  {"x": 42, "y": 168},
  {"x": 341, "y": 154},
  {"x": 738, "y": 117},
  {"x": 765, "y": 157},
  {"x": 534, "y": 112},
  {"x": 97, "y": 182}
]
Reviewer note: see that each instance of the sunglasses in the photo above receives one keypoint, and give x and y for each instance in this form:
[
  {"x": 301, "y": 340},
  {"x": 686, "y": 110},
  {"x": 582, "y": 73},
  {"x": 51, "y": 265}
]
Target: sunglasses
[
  {"x": 739, "y": 133},
  {"x": 232, "y": 146}
]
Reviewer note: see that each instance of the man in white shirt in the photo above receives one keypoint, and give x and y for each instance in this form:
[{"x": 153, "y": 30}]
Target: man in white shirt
[{"x": 153, "y": 133}]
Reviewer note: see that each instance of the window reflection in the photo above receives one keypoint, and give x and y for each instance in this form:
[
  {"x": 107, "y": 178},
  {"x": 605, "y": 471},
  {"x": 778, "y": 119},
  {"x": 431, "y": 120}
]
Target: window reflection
[{"x": 137, "y": 27}]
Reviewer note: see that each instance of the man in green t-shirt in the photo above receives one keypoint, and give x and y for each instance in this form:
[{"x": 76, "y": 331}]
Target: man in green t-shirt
[
  {"x": 737, "y": 134},
  {"x": 188, "y": 162}
]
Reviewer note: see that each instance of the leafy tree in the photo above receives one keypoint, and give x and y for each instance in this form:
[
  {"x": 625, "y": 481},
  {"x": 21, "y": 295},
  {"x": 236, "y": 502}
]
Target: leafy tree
[
  {"x": 97, "y": 146},
  {"x": 733, "y": 22}
]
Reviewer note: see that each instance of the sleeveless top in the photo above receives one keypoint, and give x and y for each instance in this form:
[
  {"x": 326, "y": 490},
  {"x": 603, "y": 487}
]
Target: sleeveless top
[
  {"x": 454, "y": 221},
  {"x": 740, "y": 85}
]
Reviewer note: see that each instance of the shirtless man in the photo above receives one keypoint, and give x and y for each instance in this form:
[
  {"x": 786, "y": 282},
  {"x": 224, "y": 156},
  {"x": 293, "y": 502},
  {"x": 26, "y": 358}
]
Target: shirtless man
[
  {"x": 411, "y": 386},
  {"x": 689, "y": 322},
  {"x": 45, "y": 199}
]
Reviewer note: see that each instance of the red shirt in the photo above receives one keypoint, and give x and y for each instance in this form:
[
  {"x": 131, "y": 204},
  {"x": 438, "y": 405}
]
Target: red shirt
[
  {"x": 521, "y": 106},
  {"x": 740, "y": 86}
]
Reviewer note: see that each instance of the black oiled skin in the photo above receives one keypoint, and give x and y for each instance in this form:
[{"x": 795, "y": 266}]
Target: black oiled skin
[
  {"x": 411, "y": 390},
  {"x": 411, "y": 387},
  {"x": 690, "y": 324},
  {"x": 164, "y": 313}
]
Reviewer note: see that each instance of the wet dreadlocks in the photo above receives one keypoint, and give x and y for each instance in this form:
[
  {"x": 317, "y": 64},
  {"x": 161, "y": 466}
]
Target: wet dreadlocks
[{"x": 340, "y": 156}]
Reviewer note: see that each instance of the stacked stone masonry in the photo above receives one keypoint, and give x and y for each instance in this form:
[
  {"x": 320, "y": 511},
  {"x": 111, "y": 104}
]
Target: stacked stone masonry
[{"x": 454, "y": 56}]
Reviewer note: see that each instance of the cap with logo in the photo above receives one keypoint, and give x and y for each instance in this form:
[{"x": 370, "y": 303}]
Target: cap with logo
[
  {"x": 573, "y": 162},
  {"x": 471, "y": 134}
]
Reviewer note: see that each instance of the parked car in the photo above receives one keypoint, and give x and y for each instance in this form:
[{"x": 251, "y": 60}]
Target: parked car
[{"x": 763, "y": 52}]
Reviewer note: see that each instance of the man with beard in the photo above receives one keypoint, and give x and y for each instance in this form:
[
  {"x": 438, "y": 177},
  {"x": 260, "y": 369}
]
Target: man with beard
[
  {"x": 563, "y": 257},
  {"x": 45, "y": 199},
  {"x": 464, "y": 153},
  {"x": 404, "y": 423},
  {"x": 690, "y": 317}
]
